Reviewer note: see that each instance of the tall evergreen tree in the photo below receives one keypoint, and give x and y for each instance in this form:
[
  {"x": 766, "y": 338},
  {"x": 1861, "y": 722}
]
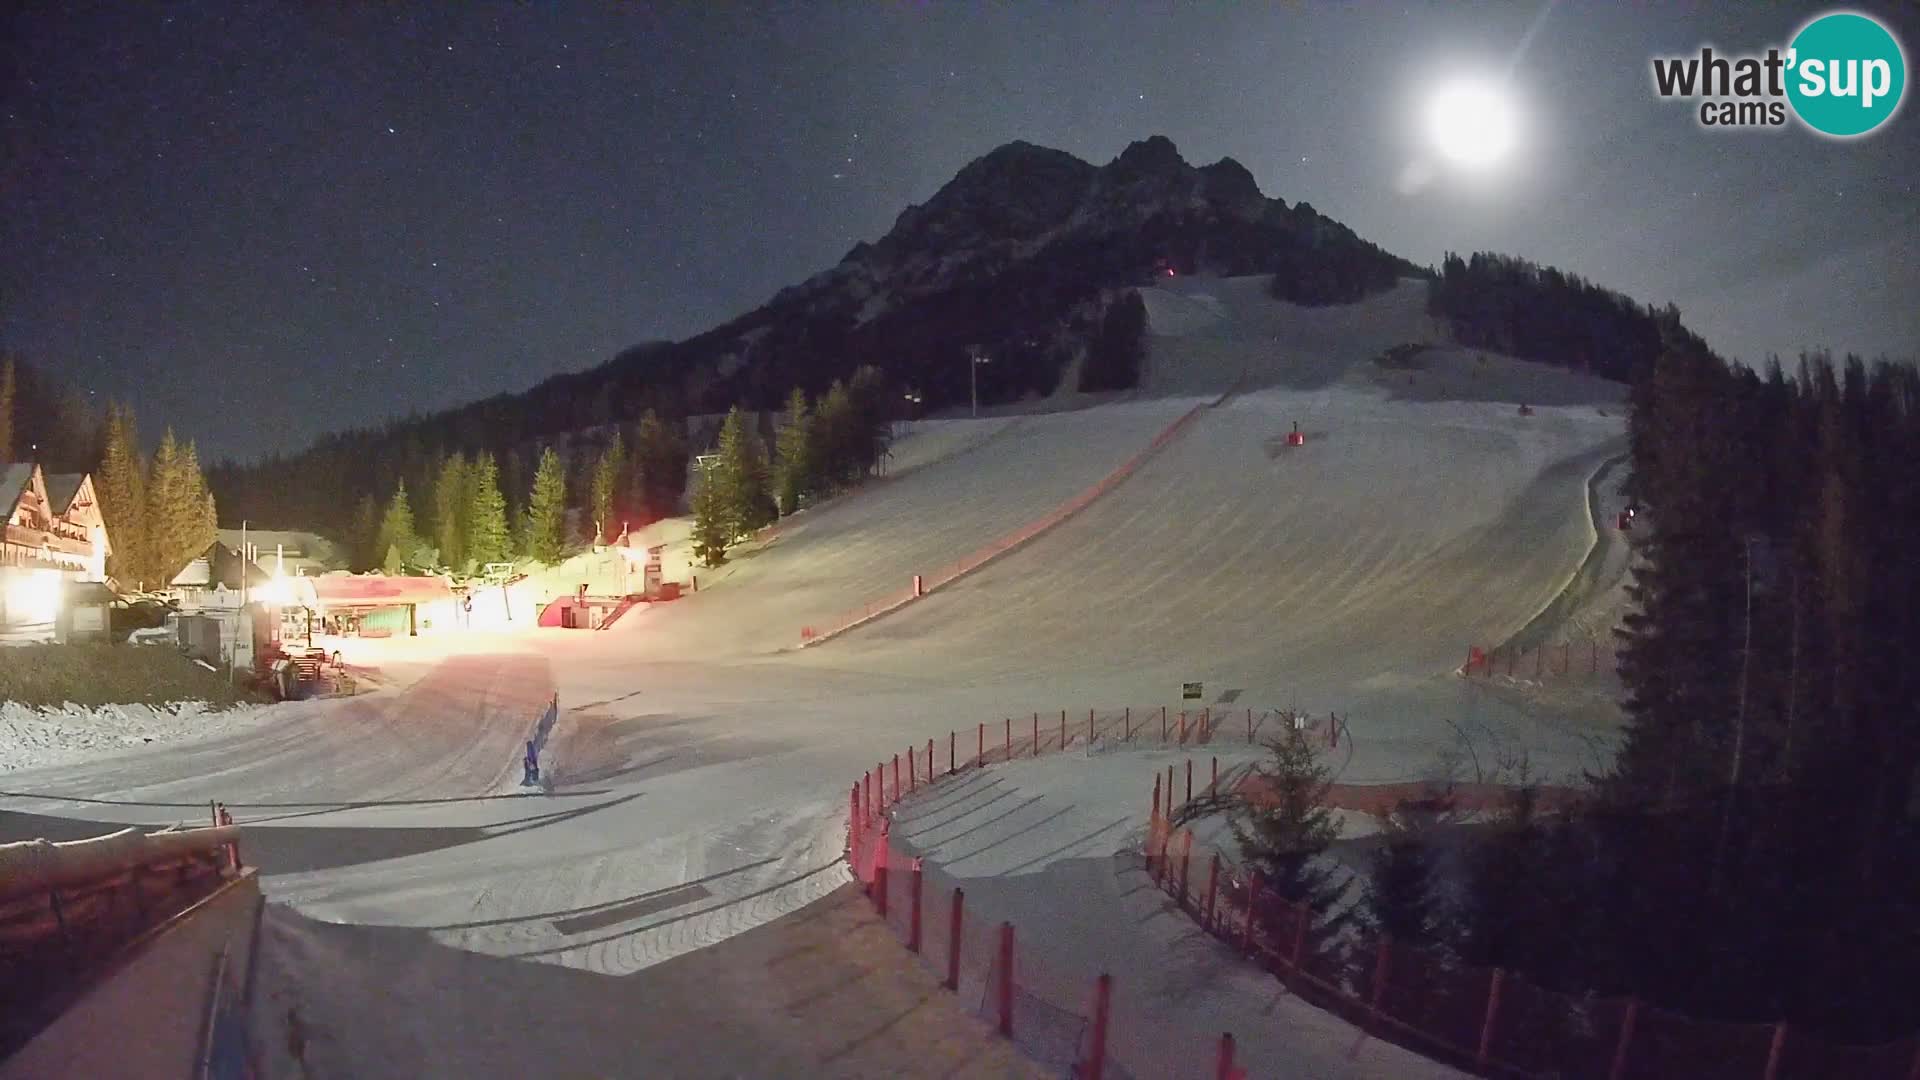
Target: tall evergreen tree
[
  {"x": 1401, "y": 881},
  {"x": 450, "y": 511},
  {"x": 794, "y": 473},
  {"x": 6, "y": 409},
  {"x": 397, "y": 540},
  {"x": 121, "y": 484},
  {"x": 609, "y": 480},
  {"x": 179, "y": 525},
  {"x": 837, "y": 438},
  {"x": 741, "y": 474},
  {"x": 1284, "y": 829},
  {"x": 546, "y": 519},
  {"x": 713, "y": 524},
  {"x": 363, "y": 536},
  {"x": 659, "y": 467},
  {"x": 489, "y": 540}
]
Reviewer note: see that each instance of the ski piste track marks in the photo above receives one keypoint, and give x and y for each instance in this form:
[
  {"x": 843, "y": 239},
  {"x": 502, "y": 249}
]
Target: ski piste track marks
[
  {"x": 1029, "y": 533},
  {"x": 1349, "y": 571}
]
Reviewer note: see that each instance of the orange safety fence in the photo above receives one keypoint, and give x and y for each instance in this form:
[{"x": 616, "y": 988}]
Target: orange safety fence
[
  {"x": 1564, "y": 661},
  {"x": 1493, "y": 1022},
  {"x": 944, "y": 575}
]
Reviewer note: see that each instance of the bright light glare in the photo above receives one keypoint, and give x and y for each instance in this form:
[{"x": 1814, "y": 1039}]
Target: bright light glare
[
  {"x": 1472, "y": 124},
  {"x": 33, "y": 596}
]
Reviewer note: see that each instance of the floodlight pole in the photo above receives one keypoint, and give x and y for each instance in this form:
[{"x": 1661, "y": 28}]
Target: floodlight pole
[{"x": 974, "y": 360}]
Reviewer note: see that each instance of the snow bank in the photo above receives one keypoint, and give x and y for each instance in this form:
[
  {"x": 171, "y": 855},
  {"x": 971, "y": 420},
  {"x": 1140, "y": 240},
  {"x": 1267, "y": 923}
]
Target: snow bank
[{"x": 31, "y": 737}]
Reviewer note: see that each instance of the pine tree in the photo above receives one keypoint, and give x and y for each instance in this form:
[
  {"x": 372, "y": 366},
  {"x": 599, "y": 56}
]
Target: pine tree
[
  {"x": 199, "y": 516},
  {"x": 1284, "y": 829},
  {"x": 713, "y": 528},
  {"x": 609, "y": 478},
  {"x": 450, "y": 511},
  {"x": 741, "y": 473},
  {"x": 364, "y": 535},
  {"x": 6, "y": 410},
  {"x": 546, "y": 519},
  {"x": 836, "y": 438},
  {"x": 1401, "y": 900},
  {"x": 174, "y": 514},
  {"x": 659, "y": 466},
  {"x": 793, "y": 475},
  {"x": 397, "y": 540},
  {"x": 121, "y": 484},
  {"x": 872, "y": 436},
  {"x": 488, "y": 538}
]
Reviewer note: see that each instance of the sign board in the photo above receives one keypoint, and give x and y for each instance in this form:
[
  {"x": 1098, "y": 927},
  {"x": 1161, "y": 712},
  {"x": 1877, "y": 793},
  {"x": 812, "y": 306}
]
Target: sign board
[{"x": 1190, "y": 691}]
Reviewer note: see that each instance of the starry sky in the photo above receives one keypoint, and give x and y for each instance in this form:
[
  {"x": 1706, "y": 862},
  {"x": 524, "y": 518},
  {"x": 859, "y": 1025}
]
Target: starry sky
[{"x": 261, "y": 222}]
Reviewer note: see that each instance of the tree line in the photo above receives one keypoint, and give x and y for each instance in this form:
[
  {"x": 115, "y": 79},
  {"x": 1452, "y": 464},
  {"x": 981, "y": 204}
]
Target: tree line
[
  {"x": 1752, "y": 852},
  {"x": 465, "y": 511},
  {"x": 822, "y": 447},
  {"x": 159, "y": 512},
  {"x": 1543, "y": 314}
]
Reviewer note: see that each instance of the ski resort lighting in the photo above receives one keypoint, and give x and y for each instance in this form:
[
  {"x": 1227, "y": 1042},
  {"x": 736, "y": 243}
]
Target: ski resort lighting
[{"x": 1471, "y": 123}]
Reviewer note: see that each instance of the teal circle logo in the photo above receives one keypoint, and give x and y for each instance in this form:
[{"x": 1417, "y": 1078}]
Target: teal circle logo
[{"x": 1846, "y": 74}]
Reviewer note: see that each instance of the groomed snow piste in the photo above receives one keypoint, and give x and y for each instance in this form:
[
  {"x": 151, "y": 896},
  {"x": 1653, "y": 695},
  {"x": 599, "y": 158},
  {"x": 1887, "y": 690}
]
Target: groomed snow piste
[{"x": 700, "y": 770}]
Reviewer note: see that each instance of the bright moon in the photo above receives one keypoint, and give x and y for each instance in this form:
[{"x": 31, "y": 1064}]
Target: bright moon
[{"x": 1472, "y": 124}]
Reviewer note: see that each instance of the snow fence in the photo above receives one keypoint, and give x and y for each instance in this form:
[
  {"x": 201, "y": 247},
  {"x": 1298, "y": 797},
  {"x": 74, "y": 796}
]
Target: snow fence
[{"x": 1491, "y": 1021}]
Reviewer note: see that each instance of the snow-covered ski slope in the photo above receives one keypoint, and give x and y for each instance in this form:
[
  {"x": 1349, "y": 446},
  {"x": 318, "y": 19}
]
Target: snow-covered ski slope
[{"x": 700, "y": 768}]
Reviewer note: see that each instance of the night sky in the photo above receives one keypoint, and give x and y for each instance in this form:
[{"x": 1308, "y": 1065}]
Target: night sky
[{"x": 261, "y": 222}]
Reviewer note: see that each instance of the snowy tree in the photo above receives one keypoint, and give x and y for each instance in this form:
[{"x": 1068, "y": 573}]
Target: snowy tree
[
  {"x": 489, "y": 539},
  {"x": 397, "y": 540},
  {"x": 546, "y": 518},
  {"x": 741, "y": 476},
  {"x": 609, "y": 477},
  {"x": 794, "y": 473},
  {"x": 1283, "y": 827},
  {"x": 713, "y": 522},
  {"x": 450, "y": 511},
  {"x": 121, "y": 484}
]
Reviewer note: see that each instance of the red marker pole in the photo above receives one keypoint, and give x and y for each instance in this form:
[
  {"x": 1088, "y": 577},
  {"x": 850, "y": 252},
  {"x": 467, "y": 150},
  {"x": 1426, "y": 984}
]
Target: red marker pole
[
  {"x": 1009, "y": 738},
  {"x": 981, "y": 760},
  {"x": 953, "y": 765}
]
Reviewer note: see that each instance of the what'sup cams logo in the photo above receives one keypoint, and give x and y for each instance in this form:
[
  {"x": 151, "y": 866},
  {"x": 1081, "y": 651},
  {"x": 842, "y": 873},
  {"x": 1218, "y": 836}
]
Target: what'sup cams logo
[{"x": 1842, "y": 75}]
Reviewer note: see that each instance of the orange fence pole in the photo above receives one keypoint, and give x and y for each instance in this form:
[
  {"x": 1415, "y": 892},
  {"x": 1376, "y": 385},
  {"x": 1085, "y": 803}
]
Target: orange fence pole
[
  {"x": 1006, "y": 979},
  {"x": 929, "y": 761},
  {"x": 913, "y": 934},
  {"x": 1213, "y": 886},
  {"x": 953, "y": 940},
  {"x": 1089, "y": 727},
  {"x": 880, "y": 876},
  {"x": 1163, "y": 723},
  {"x": 1189, "y": 797},
  {"x": 1253, "y": 905},
  {"x": 1097, "y": 1053},
  {"x": 1183, "y": 726},
  {"x": 982, "y": 759},
  {"x": 1213, "y": 785},
  {"x": 1249, "y": 727},
  {"x": 1626, "y": 1039},
  {"x": 1206, "y": 723},
  {"x": 1126, "y": 724},
  {"x": 952, "y": 764},
  {"x": 1223, "y": 1065},
  {"x": 1169, "y": 791},
  {"x": 1036, "y": 734},
  {"x": 1492, "y": 1016},
  {"x": 1778, "y": 1046},
  {"x": 880, "y": 781},
  {"x": 1301, "y": 914},
  {"x": 913, "y": 779},
  {"x": 1063, "y": 729},
  {"x": 896, "y": 778},
  {"x": 1382, "y": 965},
  {"x": 1009, "y": 737}
]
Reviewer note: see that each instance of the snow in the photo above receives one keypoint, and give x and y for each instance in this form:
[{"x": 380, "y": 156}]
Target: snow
[
  {"x": 701, "y": 765},
  {"x": 31, "y": 737},
  {"x": 1051, "y": 843}
]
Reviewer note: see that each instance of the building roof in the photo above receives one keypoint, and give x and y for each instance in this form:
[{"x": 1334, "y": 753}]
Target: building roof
[
  {"x": 61, "y": 488},
  {"x": 221, "y": 565},
  {"x": 377, "y": 590},
  {"x": 14, "y": 479}
]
